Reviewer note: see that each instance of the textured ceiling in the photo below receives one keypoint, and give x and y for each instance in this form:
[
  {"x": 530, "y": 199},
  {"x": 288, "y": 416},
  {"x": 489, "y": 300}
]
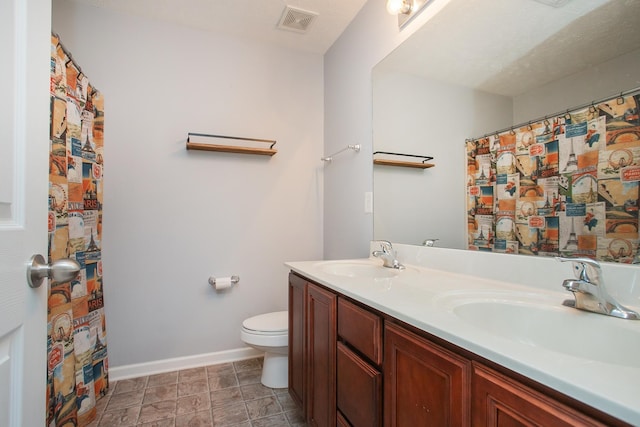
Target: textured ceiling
[
  {"x": 252, "y": 19},
  {"x": 511, "y": 46}
]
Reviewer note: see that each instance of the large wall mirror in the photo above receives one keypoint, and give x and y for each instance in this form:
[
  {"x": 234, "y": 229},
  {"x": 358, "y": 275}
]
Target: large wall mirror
[{"x": 477, "y": 67}]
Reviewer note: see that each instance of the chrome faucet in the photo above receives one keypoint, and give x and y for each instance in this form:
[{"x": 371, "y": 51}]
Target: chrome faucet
[
  {"x": 388, "y": 255},
  {"x": 430, "y": 242},
  {"x": 589, "y": 291}
]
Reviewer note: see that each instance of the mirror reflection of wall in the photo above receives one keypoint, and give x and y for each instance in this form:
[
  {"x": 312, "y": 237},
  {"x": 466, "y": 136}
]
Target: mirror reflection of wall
[
  {"x": 477, "y": 67},
  {"x": 413, "y": 115}
]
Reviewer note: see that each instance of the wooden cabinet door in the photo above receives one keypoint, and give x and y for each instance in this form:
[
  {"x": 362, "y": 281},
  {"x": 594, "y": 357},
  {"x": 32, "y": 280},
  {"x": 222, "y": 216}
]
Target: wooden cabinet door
[
  {"x": 424, "y": 384},
  {"x": 321, "y": 356},
  {"x": 359, "y": 389},
  {"x": 341, "y": 421},
  {"x": 297, "y": 340},
  {"x": 499, "y": 401}
]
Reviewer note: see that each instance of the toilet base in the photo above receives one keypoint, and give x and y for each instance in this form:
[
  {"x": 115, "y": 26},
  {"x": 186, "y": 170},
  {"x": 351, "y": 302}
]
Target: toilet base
[{"x": 275, "y": 370}]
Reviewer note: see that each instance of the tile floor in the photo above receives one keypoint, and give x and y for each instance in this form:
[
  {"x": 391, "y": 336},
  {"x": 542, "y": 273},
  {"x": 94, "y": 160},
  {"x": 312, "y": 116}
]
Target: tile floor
[{"x": 228, "y": 394}]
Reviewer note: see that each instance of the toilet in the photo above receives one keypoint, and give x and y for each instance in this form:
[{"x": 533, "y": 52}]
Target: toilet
[{"x": 269, "y": 333}]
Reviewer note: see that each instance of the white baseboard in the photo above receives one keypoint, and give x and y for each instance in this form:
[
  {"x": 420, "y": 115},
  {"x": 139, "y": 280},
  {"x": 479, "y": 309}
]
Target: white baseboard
[{"x": 118, "y": 373}]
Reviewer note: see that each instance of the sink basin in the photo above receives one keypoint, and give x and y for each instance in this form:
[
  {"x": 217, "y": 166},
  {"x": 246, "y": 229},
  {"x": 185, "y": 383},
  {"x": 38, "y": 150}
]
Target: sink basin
[
  {"x": 355, "y": 269},
  {"x": 564, "y": 330}
]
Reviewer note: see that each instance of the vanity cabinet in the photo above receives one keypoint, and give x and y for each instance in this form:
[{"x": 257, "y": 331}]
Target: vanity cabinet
[
  {"x": 352, "y": 366},
  {"x": 321, "y": 356},
  {"x": 500, "y": 401},
  {"x": 424, "y": 384},
  {"x": 359, "y": 389},
  {"x": 359, "y": 380},
  {"x": 342, "y": 422},
  {"x": 312, "y": 350},
  {"x": 297, "y": 339}
]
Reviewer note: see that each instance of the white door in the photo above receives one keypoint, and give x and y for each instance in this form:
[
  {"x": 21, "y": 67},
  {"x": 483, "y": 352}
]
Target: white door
[{"x": 25, "y": 37}]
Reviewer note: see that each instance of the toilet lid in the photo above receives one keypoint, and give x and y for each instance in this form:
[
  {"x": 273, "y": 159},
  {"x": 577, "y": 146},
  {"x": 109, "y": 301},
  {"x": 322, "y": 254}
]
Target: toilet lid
[{"x": 270, "y": 322}]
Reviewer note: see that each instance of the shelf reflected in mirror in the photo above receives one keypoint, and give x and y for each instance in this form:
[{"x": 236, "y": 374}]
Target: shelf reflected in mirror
[{"x": 474, "y": 68}]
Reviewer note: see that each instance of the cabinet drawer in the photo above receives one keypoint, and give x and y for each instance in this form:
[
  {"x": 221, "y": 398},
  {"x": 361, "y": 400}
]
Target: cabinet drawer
[
  {"x": 359, "y": 389},
  {"x": 361, "y": 329}
]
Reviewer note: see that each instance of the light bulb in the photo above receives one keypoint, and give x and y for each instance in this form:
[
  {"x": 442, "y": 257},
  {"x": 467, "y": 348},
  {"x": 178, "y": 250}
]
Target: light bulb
[{"x": 395, "y": 7}]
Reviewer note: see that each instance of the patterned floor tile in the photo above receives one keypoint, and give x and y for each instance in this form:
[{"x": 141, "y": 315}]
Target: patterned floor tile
[
  {"x": 193, "y": 403},
  {"x": 229, "y": 415},
  {"x": 264, "y": 407},
  {"x": 120, "y": 417},
  {"x": 132, "y": 384},
  {"x": 226, "y": 395},
  {"x": 163, "y": 379},
  {"x": 194, "y": 387},
  {"x": 157, "y": 411},
  {"x": 160, "y": 393}
]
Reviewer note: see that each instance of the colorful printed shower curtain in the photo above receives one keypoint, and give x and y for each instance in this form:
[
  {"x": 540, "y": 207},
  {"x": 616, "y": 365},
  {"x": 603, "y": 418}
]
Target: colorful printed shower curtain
[
  {"x": 566, "y": 185},
  {"x": 77, "y": 353}
]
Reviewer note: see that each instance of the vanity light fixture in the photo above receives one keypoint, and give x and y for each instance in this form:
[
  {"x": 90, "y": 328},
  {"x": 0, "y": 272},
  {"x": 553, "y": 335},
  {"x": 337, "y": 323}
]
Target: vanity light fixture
[
  {"x": 395, "y": 7},
  {"x": 405, "y": 9}
]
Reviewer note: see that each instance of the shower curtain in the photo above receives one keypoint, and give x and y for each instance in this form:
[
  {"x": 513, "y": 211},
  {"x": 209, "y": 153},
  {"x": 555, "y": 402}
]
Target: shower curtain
[
  {"x": 565, "y": 185},
  {"x": 77, "y": 370}
]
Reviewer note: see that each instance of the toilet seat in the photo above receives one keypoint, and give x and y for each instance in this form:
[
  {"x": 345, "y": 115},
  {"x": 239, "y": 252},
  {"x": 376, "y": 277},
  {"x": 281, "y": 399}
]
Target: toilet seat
[
  {"x": 266, "y": 330},
  {"x": 269, "y": 333},
  {"x": 276, "y": 323}
]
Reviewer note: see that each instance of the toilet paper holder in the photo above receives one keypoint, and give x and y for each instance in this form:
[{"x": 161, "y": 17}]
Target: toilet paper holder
[{"x": 234, "y": 280}]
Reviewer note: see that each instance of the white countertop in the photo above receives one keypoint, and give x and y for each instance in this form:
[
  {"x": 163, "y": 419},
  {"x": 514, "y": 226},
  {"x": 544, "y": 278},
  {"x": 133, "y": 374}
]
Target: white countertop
[{"x": 427, "y": 297}]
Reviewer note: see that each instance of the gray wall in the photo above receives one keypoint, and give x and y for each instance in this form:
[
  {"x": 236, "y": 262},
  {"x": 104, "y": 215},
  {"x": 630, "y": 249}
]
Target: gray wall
[
  {"x": 371, "y": 36},
  {"x": 348, "y": 65},
  {"x": 415, "y": 115},
  {"x": 174, "y": 217}
]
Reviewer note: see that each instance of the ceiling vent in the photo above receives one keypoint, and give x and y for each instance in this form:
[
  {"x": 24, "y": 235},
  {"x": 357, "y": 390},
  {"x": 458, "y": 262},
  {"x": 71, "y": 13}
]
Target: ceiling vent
[{"x": 298, "y": 20}]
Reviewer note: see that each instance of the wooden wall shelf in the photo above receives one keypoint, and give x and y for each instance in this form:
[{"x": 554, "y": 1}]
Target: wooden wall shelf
[
  {"x": 403, "y": 163},
  {"x": 236, "y": 144}
]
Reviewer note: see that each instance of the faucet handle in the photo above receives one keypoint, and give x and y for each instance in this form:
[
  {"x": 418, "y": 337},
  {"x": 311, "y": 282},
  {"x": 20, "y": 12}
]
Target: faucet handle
[
  {"x": 386, "y": 246},
  {"x": 585, "y": 269}
]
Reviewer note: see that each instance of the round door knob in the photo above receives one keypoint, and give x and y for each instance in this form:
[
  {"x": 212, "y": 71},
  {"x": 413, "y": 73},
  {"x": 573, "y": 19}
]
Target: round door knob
[{"x": 60, "y": 271}]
